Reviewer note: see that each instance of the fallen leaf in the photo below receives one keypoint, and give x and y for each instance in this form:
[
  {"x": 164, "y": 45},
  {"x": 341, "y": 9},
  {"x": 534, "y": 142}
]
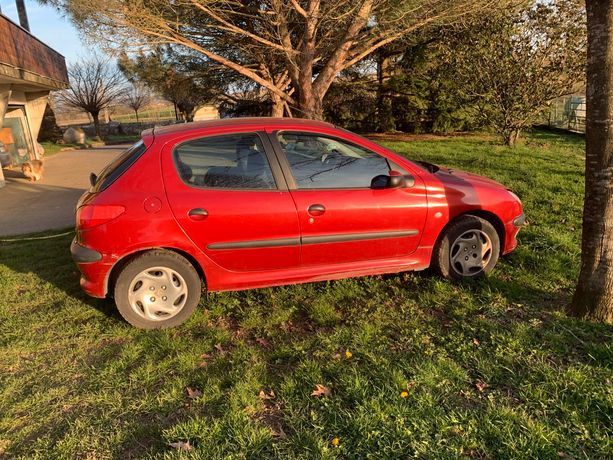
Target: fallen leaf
[
  {"x": 205, "y": 356},
  {"x": 481, "y": 386},
  {"x": 193, "y": 393},
  {"x": 180, "y": 445},
  {"x": 336, "y": 356},
  {"x": 476, "y": 342},
  {"x": 219, "y": 348},
  {"x": 269, "y": 395},
  {"x": 321, "y": 390},
  {"x": 263, "y": 342},
  {"x": 348, "y": 354},
  {"x": 203, "y": 364}
]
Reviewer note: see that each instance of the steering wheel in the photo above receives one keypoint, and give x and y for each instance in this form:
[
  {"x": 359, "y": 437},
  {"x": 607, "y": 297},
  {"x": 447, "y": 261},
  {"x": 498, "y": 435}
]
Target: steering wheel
[{"x": 327, "y": 157}]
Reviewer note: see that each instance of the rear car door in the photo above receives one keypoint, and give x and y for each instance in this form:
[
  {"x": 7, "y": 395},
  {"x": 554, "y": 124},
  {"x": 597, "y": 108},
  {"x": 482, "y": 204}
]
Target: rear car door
[
  {"x": 228, "y": 194},
  {"x": 342, "y": 219}
]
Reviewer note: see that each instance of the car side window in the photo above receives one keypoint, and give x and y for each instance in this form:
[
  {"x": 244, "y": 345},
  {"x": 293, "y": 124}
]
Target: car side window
[
  {"x": 235, "y": 161},
  {"x": 321, "y": 162}
]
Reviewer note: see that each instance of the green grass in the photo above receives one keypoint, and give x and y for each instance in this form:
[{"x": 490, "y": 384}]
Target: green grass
[
  {"x": 51, "y": 148},
  {"x": 166, "y": 113},
  {"x": 492, "y": 368}
]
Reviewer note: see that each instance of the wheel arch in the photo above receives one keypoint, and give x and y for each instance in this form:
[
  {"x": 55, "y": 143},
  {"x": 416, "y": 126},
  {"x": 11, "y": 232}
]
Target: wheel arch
[
  {"x": 118, "y": 266},
  {"x": 493, "y": 219},
  {"x": 489, "y": 216}
]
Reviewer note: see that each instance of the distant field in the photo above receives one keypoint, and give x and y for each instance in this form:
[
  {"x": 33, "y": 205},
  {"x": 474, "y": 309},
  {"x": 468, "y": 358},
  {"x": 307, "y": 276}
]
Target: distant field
[
  {"x": 147, "y": 116},
  {"x": 416, "y": 366},
  {"x": 154, "y": 114}
]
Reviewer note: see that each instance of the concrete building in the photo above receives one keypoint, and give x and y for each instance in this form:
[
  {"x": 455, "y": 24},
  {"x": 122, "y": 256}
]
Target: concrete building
[{"x": 29, "y": 70}]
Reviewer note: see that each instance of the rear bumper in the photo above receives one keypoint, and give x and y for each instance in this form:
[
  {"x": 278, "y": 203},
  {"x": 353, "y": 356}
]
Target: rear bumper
[
  {"x": 81, "y": 254},
  {"x": 93, "y": 271}
]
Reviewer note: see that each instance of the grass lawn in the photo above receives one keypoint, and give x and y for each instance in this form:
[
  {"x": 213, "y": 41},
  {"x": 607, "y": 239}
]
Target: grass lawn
[
  {"x": 51, "y": 148},
  {"x": 416, "y": 366}
]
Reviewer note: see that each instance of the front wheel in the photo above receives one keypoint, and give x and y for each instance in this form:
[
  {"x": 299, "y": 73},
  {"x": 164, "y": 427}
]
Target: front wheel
[
  {"x": 467, "y": 248},
  {"x": 157, "y": 290}
]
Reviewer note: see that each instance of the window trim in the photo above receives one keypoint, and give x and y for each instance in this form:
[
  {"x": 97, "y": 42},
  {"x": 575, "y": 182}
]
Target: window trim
[
  {"x": 102, "y": 183},
  {"x": 273, "y": 163},
  {"x": 287, "y": 169}
]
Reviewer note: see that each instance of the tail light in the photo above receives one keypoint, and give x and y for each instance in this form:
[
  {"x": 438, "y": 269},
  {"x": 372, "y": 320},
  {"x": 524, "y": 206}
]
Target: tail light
[{"x": 92, "y": 215}]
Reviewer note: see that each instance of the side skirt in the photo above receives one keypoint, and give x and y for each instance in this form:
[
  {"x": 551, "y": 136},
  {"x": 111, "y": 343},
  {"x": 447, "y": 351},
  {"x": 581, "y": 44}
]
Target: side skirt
[{"x": 232, "y": 281}]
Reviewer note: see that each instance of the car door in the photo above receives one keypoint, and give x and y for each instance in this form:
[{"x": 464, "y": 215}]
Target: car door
[
  {"x": 229, "y": 196},
  {"x": 342, "y": 218}
]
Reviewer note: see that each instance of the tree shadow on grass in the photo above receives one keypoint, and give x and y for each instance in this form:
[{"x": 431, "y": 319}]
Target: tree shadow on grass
[
  {"x": 564, "y": 342},
  {"x": 533, "y": 313},
  {"x": 48, "y": 257},
  {"x": 562, "y": 136}
]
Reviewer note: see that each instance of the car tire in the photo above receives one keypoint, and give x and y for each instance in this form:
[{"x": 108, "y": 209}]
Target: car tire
[
  {"x": 157, "y": 290},
  {"x": 467, "y": 248}
]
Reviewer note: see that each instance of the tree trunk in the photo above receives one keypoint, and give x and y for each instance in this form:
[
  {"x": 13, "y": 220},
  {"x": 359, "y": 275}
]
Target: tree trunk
[
  {"x": 23, "y": 14},
  {"x": 311, "y": 109},
  {"x": 96, "y": 117},
  {"x": 310, "y": 104},
  {"x": 510, "y": 137},
  {"x": 136, "y": 112},
  {"x": 385, "y": 118},
  {"x": 593, "y": 298},
  {"x": 278, "y": 106},
  {"x": 310, "y": 99}
]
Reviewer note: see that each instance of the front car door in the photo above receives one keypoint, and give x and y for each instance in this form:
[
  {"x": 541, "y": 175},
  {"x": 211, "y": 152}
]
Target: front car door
[
  {"x": 229, "y": 196},
  {"x": 342, "y": 218}
]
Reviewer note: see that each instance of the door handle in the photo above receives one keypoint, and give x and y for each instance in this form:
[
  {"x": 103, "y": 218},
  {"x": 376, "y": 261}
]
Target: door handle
[
  {"x": 198, "y": 214},
  {"x": 316, "y": 210}
]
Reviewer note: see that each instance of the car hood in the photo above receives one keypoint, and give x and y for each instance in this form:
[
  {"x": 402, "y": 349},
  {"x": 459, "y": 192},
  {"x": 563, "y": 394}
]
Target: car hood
[{"x": 457, "y": 177}]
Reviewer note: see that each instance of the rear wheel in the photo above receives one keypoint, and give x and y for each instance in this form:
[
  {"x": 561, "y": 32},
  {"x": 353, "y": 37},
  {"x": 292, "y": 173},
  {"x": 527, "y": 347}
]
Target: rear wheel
[
  {"x": 468, "y": 248},
  {"x": 157, "y": 290}
]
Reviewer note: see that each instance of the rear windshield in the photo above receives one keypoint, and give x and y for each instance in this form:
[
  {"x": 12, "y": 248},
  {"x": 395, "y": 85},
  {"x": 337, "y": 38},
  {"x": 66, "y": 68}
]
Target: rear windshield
[{"x": 118, "y": 166}]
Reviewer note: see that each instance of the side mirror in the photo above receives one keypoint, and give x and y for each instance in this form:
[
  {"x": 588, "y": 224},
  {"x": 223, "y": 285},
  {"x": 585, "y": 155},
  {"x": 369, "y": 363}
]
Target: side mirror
[
  {"x": 92, "y": 179},
  {"x": 397, "y": 181},
  {"x": 382, "y": 181}
]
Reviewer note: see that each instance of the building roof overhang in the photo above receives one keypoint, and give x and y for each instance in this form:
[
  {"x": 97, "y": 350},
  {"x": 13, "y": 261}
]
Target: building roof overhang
[{"x": 25, "y": 60}]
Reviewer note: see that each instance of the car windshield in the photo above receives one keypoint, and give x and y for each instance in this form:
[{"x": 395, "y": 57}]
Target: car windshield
[{"x": 118, "y": 166}]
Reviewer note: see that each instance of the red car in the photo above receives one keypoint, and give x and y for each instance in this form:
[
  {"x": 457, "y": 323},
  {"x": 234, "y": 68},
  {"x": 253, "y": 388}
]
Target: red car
[{"x": 247, "y": 203}]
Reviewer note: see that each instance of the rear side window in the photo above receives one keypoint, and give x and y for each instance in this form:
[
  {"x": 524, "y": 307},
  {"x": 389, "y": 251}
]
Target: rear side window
[
  {"x": 235, "y": 161},
  {"x": 118, "y": 166}
]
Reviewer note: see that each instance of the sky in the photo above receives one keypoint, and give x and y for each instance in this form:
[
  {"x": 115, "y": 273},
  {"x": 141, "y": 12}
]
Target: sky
[{"x": 50, "y": 27}]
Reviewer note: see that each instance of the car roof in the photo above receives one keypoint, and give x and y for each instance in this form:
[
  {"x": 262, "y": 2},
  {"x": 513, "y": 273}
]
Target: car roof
[{"x": 225, "y": 122}]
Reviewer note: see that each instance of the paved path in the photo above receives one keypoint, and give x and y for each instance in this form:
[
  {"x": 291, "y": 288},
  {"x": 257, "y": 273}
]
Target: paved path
[{"x": 27, "y": 207}]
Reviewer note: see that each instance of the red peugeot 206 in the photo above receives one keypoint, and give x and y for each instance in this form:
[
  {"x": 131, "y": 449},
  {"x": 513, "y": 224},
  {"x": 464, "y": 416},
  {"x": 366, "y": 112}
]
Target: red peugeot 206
[{"x": 247, "y": 203}]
